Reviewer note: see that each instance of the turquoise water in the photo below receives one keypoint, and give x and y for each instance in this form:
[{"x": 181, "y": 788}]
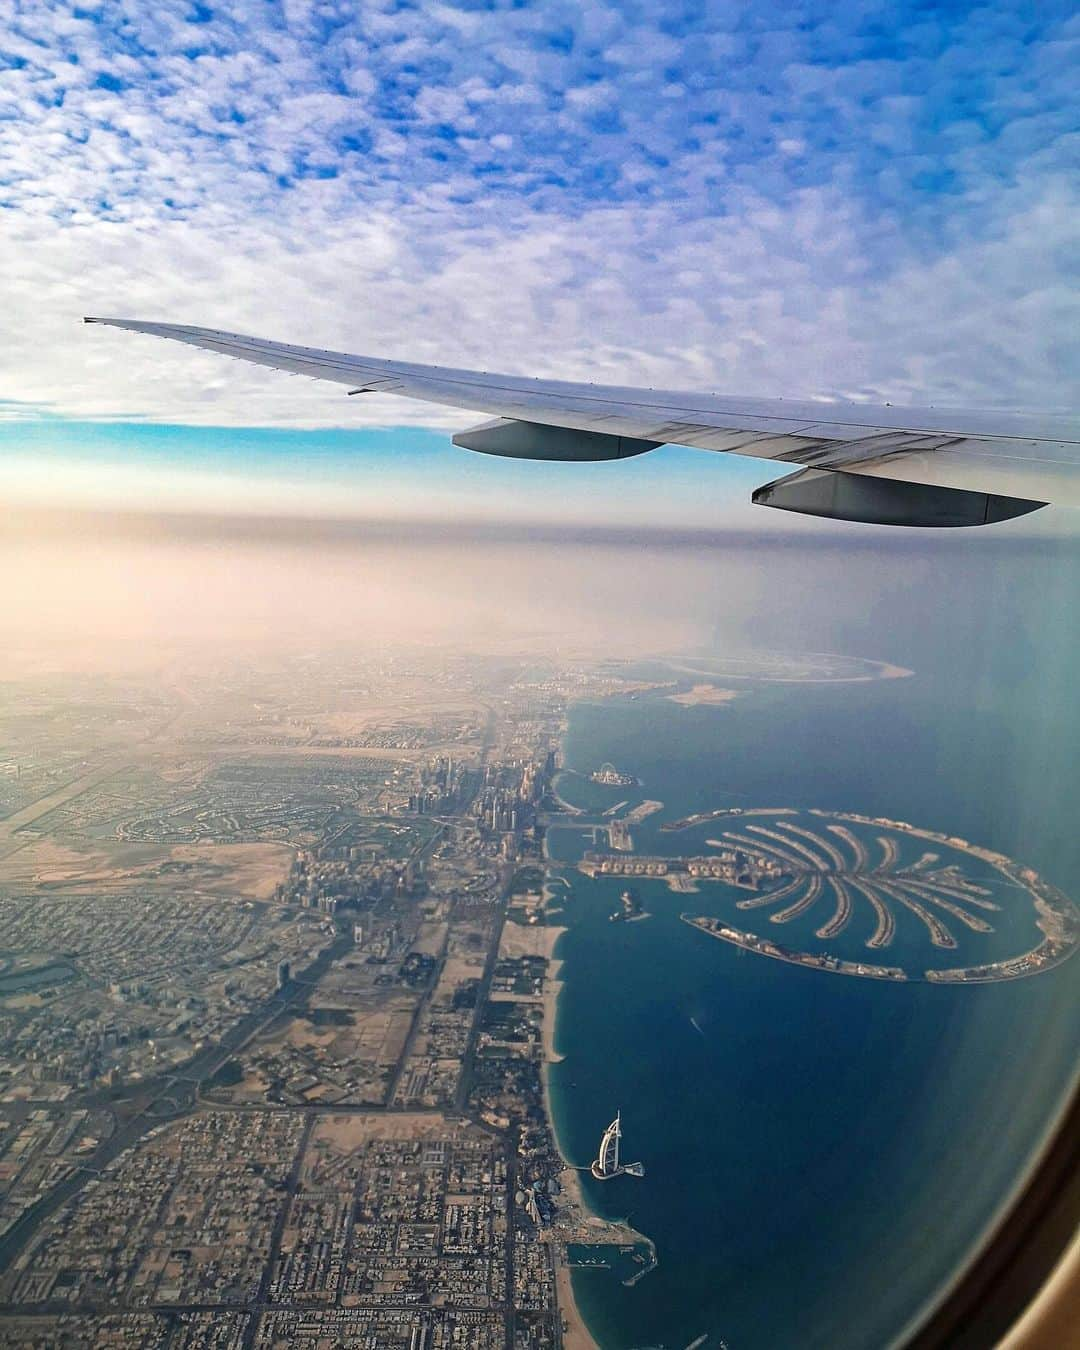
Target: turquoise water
[{"x": 821, "y": 1152}]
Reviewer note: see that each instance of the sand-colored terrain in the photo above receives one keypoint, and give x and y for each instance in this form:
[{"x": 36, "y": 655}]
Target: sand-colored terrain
[
  {"x": 528, "y": 939},
  {"x": 574, "y": 1336},
  {"x": 708, "y": 695},
  {"x": 430, "y": 939},
  {"x": 456, "y": 971},
  {"x": 251, "y": 871},
  {"x": 344, "y": 1133}
]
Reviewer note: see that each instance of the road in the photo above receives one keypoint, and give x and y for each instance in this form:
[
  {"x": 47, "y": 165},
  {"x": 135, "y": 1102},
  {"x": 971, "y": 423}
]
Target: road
[
  {"x": 167, "y": 1098},
  {"x": 107, "y": 768},
  {"x": 170, "y": 1097},
  {"x": 291, "y": 1184}
]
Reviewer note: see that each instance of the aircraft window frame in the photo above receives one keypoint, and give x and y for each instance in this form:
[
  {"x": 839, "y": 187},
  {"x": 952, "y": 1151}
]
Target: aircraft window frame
[{"x": 1019, "y": 1257}]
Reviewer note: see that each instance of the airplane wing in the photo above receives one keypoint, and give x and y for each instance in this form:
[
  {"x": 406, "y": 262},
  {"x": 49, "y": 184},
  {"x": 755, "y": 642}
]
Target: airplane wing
[{"x": 880, "y": 464}]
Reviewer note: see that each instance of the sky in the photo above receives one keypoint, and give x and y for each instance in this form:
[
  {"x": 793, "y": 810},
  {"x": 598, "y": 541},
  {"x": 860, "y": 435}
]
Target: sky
[{"x": 877, "y": 200}]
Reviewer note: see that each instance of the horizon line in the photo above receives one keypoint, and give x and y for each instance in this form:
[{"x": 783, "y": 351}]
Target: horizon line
[{"x": 272, "y": 527}]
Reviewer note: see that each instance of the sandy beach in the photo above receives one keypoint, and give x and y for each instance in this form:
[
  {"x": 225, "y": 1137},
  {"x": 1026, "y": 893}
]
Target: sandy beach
[
  {"x": 552, "y": 986},
  {"x": 528, "y": 939},
  {"x": 574, "y": 1221},
  {"x": 574, "y": 1336}
]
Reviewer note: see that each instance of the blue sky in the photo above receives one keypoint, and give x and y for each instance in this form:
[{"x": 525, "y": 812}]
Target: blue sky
[
  {"x": 875, "y": 200},
  {"x": 397, "y": 473}
]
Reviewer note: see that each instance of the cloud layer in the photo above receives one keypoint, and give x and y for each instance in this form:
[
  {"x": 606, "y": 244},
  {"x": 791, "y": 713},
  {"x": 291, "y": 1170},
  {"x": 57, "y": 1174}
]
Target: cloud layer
[{"x": 722, "y": 197}]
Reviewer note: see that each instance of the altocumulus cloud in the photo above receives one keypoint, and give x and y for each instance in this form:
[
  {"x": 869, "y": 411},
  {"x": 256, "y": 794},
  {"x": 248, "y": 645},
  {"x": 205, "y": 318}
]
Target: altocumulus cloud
[{"x": 864, "y": 201}]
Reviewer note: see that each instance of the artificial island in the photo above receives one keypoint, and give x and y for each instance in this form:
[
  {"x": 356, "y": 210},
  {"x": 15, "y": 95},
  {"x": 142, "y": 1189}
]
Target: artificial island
[
  {"x": 607, "y": 1163},
  {"x": 790, "y": 870},
  {"x": 607, "y": 775},
  {"x": 277, "y": 989}
]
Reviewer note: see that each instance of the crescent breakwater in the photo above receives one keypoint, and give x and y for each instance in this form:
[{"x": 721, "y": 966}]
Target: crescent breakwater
[{"x": 749, "y": 942}]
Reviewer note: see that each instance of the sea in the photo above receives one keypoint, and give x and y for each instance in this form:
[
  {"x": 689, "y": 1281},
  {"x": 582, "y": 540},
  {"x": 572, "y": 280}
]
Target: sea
[{"x": 822, "y": 1153}]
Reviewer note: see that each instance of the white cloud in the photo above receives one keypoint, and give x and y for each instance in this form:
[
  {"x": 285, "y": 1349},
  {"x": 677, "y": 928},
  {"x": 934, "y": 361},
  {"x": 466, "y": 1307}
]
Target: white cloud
[{"x": 432, "y": 186}]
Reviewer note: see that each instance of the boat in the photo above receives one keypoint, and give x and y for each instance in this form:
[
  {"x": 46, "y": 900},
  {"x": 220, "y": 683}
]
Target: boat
[{"x": 606, "y": 1164}]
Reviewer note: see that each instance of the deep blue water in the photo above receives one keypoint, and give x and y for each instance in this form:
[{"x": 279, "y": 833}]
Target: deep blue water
[{"x": 822, "y": 1152}]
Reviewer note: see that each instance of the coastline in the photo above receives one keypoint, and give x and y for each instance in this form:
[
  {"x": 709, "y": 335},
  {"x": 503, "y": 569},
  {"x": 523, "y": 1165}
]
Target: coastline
[
  {"x": 684, "y": 1218},
  {"x": 575, "y": 1221},
  {"x": 575, "y": 1335}
]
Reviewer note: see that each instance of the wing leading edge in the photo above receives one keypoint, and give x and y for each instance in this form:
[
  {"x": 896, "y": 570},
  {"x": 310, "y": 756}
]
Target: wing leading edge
[{"x": 997, "y": 464}]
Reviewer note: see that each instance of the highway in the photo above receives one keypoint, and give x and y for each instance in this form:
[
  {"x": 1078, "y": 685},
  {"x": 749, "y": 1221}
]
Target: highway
[{"x": 165, "y": 1099}]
